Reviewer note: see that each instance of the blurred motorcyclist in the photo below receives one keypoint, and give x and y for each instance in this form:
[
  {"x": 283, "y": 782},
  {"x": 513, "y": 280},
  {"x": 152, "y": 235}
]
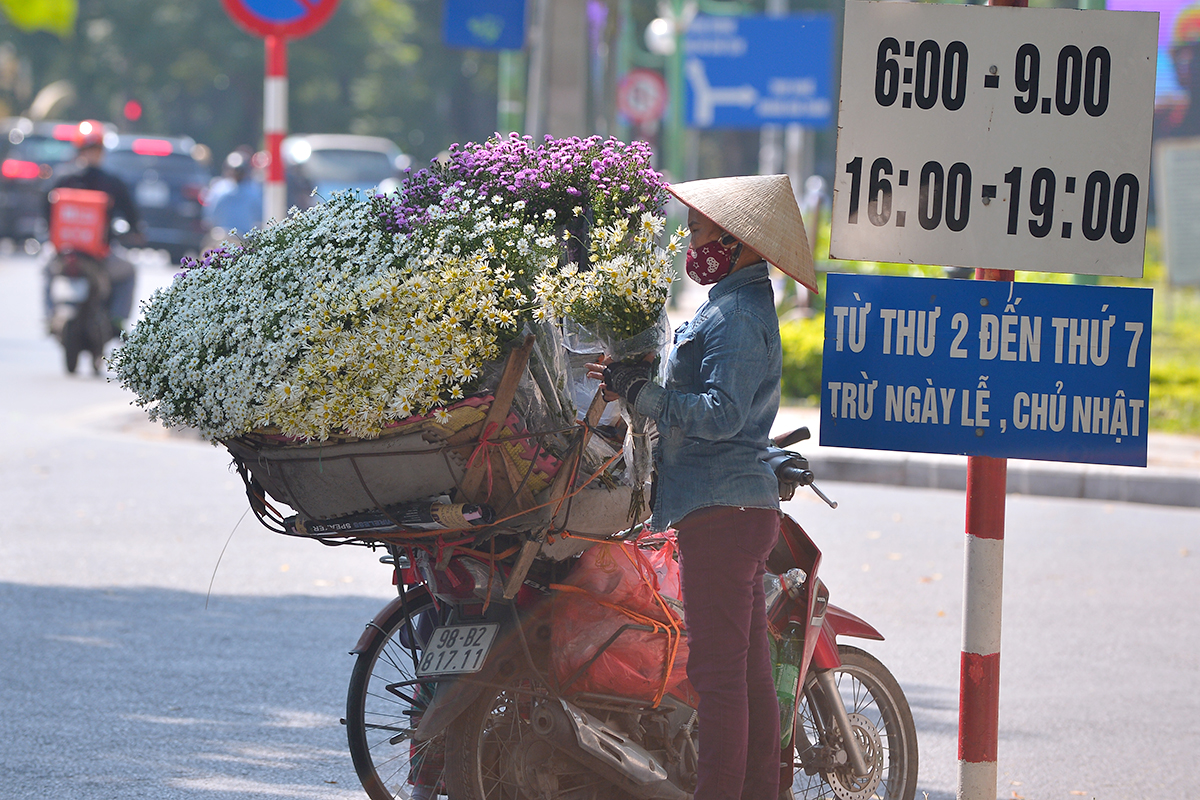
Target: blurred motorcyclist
[
  {"x": 88, "y": 174},
  {"x": 1181, "y": 118}
]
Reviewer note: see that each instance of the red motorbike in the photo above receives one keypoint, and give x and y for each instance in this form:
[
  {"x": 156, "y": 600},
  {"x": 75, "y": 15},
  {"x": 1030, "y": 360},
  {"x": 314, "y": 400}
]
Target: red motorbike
[{"x": 453, "y": 693}]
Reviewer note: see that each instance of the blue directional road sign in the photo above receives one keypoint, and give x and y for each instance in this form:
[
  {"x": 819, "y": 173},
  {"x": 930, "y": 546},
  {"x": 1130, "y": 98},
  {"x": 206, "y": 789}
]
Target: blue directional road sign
[
  {"x": 1054, "y": 372},
  {"x": 745, "y": 72}
]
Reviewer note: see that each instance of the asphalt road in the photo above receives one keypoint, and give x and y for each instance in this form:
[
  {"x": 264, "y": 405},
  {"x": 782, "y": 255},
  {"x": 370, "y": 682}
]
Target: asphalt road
[{"x": 123, "y": 675}]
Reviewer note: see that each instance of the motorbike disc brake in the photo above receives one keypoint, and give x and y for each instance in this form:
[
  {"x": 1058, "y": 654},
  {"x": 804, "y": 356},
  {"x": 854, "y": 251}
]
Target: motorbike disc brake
[{"x": 845, "y": 784}]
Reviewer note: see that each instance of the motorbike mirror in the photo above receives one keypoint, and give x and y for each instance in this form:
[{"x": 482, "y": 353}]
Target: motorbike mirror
[{"x": 798, "y": 435}]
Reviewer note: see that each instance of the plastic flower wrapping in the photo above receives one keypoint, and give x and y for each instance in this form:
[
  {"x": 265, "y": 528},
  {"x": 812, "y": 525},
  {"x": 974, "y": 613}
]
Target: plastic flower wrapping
[{"x": 362, "y": 311}]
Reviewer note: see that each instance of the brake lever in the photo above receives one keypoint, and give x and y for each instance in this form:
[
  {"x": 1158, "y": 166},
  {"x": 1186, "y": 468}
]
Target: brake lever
[
  {"x": 792, "y": 471},
  {"x": 820, "y": 494}
]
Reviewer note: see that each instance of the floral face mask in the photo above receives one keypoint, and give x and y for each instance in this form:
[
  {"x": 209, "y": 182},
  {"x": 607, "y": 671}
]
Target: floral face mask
[{"x": 710, "y": 262}]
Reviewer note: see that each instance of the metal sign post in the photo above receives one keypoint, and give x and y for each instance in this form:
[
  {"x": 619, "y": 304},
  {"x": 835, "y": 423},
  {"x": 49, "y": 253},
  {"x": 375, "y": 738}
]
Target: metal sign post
[
  {"x": 993, "y": 137},
  {"x": 277, "y": 21},
  {"x": 275, "y": 126}
]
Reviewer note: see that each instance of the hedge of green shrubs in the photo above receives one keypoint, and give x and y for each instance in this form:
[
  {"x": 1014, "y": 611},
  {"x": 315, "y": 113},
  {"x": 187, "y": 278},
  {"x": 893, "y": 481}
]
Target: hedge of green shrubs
[{"x": 802, "y": 342}]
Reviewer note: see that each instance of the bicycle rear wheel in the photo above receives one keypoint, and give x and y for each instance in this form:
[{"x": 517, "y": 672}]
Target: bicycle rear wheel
[{"x": 384, "y": 706}]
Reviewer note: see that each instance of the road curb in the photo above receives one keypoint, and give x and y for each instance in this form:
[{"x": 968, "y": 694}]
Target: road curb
[{"x": 1153, "y": 485}]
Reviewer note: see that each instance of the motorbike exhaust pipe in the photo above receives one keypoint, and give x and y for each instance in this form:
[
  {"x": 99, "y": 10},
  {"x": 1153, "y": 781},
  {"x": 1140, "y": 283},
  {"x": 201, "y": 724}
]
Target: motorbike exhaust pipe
[{"x": 607, "y": 751}]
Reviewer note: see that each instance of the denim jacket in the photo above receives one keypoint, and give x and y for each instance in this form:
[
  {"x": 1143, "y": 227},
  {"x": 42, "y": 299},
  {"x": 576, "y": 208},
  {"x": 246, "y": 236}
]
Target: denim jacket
[{"x": 715, "y": 411}]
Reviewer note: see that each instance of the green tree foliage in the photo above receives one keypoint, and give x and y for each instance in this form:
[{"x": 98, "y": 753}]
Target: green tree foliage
[
  {"x": 56, "y": 16},
  {"x": 377, "y": 67}
]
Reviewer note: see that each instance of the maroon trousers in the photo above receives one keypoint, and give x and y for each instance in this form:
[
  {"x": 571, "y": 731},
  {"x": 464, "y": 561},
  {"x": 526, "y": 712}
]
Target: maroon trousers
[{"x": 723, "y": 554}]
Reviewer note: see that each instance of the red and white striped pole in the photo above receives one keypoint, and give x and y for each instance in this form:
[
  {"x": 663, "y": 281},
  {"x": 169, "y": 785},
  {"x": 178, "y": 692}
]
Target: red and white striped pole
[
  {"x": 275, "y": 123},
  {"x": 979, "y": 677},
  {"x": 983, "y": 585}
]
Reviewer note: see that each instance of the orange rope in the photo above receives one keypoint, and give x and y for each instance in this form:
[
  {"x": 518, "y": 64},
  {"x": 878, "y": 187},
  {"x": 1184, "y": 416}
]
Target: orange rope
[
  {"x": 673, "y": 638},
  {"x": 481, "y": 448}
]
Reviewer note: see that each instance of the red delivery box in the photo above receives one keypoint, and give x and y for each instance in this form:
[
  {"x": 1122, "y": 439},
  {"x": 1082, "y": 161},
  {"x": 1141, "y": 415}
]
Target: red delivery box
[{"x": 79, "y": 221}]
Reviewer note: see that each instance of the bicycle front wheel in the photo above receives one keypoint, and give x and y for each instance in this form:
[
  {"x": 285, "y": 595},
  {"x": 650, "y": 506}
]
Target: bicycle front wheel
[{"x": 385, "y": 704}]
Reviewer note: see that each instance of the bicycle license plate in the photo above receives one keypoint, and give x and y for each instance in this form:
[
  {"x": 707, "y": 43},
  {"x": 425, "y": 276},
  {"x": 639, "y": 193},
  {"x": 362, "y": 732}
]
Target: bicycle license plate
[{"x": 457, "y": 649}]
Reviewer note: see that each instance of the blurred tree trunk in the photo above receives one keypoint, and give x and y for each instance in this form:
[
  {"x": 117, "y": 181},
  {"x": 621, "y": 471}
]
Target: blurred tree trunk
[{"x": 567, "y": 50}]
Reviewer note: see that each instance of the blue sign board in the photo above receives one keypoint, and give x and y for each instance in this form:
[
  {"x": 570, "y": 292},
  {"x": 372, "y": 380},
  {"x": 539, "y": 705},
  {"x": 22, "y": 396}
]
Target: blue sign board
[
  {"x": 484, "y": 24},
  {"x": 746, "y": 72},
  {"x": 1055, "y": 372}
]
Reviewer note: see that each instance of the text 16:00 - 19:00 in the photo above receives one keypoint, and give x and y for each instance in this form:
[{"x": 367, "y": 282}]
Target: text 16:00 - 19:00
[{"x": 1109, "y": 204}]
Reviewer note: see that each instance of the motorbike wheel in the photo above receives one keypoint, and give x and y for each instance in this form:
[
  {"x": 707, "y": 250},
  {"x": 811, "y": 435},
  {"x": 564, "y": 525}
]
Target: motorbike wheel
[
  {"x": 72, "y": 341},
  {"x": 883, "y": 726},
  {"x": 384, "y": 706},
  {"x": 493, "y": 753},
  {"x": 99, "y": 330}
]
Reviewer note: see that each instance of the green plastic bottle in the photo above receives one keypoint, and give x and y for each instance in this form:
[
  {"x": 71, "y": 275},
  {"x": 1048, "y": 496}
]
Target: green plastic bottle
[{"x": 786, "y": 671}]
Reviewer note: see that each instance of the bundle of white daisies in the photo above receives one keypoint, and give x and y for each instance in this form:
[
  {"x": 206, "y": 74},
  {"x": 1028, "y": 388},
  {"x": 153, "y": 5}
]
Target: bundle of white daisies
[{"x": 362, "y": 311}]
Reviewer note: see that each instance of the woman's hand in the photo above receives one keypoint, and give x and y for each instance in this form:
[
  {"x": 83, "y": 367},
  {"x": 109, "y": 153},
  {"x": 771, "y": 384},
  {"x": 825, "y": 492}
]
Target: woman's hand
[
  {"x": 596, "y": 372},
  {"x": 621, "y": 379}
]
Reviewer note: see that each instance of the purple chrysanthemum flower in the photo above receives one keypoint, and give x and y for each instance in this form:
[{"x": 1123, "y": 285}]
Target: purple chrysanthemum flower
[{"x": 554, "y": 174}]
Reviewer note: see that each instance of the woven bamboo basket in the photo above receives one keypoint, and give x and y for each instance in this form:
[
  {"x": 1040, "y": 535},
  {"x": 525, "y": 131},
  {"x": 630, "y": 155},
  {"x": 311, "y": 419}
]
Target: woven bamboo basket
[{"x": 482, "y": 454}]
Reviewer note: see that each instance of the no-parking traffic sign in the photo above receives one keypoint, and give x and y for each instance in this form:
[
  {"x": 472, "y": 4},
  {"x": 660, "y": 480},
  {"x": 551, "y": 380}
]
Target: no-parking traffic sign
[
  {"x": 286, "y": 18},
  {"x": 642, "y": 96}
]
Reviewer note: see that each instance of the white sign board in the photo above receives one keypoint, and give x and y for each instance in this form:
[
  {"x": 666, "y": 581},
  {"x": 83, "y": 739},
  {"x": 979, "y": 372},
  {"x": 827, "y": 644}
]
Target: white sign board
[
  {"x": 995, "y": 137},
  {"x": 1177, "y": 177}
]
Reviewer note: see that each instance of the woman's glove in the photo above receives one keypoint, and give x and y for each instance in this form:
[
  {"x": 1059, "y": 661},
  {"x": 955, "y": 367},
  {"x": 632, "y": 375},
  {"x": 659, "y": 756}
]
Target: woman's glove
[{"x": 627, "y": 379}]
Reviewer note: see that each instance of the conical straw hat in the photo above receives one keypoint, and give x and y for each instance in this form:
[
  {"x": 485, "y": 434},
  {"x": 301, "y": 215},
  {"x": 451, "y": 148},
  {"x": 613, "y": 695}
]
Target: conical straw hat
[{"x": 759, "y": 210}]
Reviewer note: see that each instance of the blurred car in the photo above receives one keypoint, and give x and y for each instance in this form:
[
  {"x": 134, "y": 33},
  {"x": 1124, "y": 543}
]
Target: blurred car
[
  {"x": 32, "y": 155},
  {"x": 166, "y": 176},
  {"x": 330, "y": 162}
]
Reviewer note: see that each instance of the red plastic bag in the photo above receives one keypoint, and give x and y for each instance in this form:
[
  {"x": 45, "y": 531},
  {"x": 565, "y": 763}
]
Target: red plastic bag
[{"x": 611, "y": 586}]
